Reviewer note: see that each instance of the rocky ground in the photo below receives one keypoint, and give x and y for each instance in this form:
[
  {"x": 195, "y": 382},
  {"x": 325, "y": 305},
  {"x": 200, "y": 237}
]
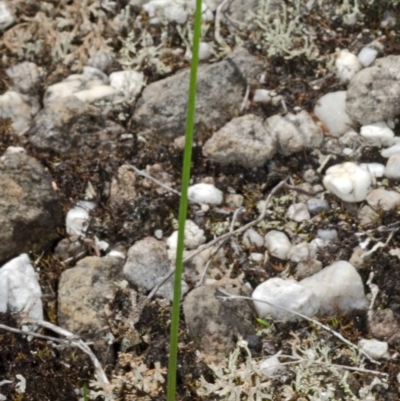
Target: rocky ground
[{"x": 70, "y": 134}]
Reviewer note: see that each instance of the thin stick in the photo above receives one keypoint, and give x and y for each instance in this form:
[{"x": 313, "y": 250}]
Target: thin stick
[
  {"x": 222, "y": 237},
  {"x": 218, "y": 14},
  {"x": 75, "y": 341},
  {"x": 144, "y": 174},
  {"x": 225, "y": 295}
]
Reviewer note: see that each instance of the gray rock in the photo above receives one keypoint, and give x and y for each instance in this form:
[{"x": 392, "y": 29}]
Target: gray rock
[
  {"x": 68, "y": 125},
  {"x": 147, "y": 262},
  {"x": 294, "y": 132},
  {"x": 383, "y": 323},
  {"x": 84, "y": 291},
  {"x": 30, "y": 209},
  {"x": 374, "y": 93},
  {"x": 307, "y": 268},
  {"x": 244, "y": 141},
  {"x": 315, "y": 205},
  {"x": 161, "y": 109},
  {"x": 367, "y": 216},
  {"x": 25, "y": 77},
  {"x": 213, "y": 324},
  {"x": 338, "y": 287}
]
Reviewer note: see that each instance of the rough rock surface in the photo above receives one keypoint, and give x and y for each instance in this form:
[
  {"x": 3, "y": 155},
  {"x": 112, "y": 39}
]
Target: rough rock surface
[
  {"x": 30, "y": 209},
  {"x": 147, "y": 262},
  {"x": 294, "y": 132},
  {"x": 161, "y": 109},
  {"x": 213, "y": 324},
  {"x": 338, "y": 287},
  {"x": 244, "y": 141},
  {"x": 123, "y": 186},
  {"x": 83, "y": 292},
  {"x": 69, "y": 125},
  {"x": 374, "y": 93}
]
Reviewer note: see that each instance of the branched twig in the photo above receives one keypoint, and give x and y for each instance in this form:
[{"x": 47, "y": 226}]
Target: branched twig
[
  {"x": 222, "y": 237},
  {"x": 226, "y": 295}
]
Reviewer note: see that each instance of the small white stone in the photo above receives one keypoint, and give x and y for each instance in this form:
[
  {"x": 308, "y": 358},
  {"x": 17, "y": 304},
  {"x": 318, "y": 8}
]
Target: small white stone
[
  {"x": 326, "y": 234},
  {"x": 271, "y": 367},
  {"x": 253, "y": 238},
  {"x": 367, "y": 56},
  {"x": 6, "y": 18},
  {"x": 262, "y": 96},
  {"x": 338, "y": 287},
  {"x": 377, "y": 134},
  {"x": 128, "y": 82},
  {"x": 347, "y": 65},
  {"x": 194, "y": 236},
  {"x": 205, "y": 51},
  {"x": 381, "y": 198},
  {"x": 374, "y": 348},
  {"x": 392, "y": 169},
  {"x": 116, "y": 254},
  {"x": 97, "y": 93},
  {"x": 331, "y": 110},
  {"x": 287, "y": 294},
  {"x": 278, "y": 244},
  {"x": 302, "y": 251},
  {"x": 205, "y": 193},
  {"x": 298, "y": 212},
  {"x": 234, "y": 200},
  {"x": 19, "y": 288},
  {"x": 376, "y": 170},
  {"x": 256, "y": 257},
  {"x": 393, "y": 150},
  {"x": 15, "y": 149},
  {"x": 348, "y": 182},
  {"x": 77, "y": 221},
  {"x": 158, "y": 234}
]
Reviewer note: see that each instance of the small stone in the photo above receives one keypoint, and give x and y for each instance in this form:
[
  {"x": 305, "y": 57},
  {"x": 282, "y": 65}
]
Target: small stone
[
  {"x": 77, "y": 219},
  {"x": 298, "y": 212},
  {"x": 129, "y": 82},
  {"x": 311, "y": 176},
  {"x": 287, "y": 294},
  {"x": 316, "y": 205},
  {"x": 382, "y": 323},
  {"x": 348, "y": 182},
  {"x": 205, "y": 193},
  {"x": 392, "y": 170},
  {"x": 252, "y": 238},
  {"x": 338, "y": 288},
  {"x": 307, "y": 268},
  {"x": 377, "y": 134},
  {"x": 271, "y": 367},
  {"x": 25, "y": 76},
  {"x": 234, "y": 200},
  {"x": 359, "y": 258},
  {"x": 347, "y": 66},
  {"x": 327, "y": 234},
  {"x": 256, "y": 257},
  {"x": 367, "y": 216},
  {"x": 6, "y": 18},
  {"x": 262, "y": 96},
  {"x": 374, "y": 348},
  {"x": 376, "y": 170},
  {"x": 331, "y": 110},
  {"x": 393, "y": 150},
  {"x": 194, "y": 236},
  {"x": 205, "y": 51},
  {"x": 367, "y": 56},
  {"x": 381, "y": 198},
  {"x": 278, "y": 244},
  {"x": 302, "y": 251}
]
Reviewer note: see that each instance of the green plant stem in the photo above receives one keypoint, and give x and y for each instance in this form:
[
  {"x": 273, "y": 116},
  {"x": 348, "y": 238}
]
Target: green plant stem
[{"x": 187, "y": 159}]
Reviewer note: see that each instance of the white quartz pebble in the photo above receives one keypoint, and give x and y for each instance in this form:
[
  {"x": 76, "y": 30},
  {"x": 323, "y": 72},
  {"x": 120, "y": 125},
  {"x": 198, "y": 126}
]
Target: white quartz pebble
[
  {"x": 347, "y": 65},
  {"x": 374, "y": 348},
  {"x": 6, "y": 18},
  {"x": 77, "y": 219},
  {"x": 377, "y": 170},
  {"x": 284, "y": 293},
  {"x": 338, "y": 287},
  {"x": 367, "y": 56},
  {"x": 393, "y": 150},
  {"x": 377, "y": 134},
  {"x": 271, "y": 367},
  {"x": 205, "y": 193},
  {"x": 331, "y": 110},
  {"x": 19, "y": 288},
  {"x": 298, "y": 212},
  {"x": 128, "y": 82},
  {"x": 253, "y": 238},
  {"x": 348, "y": 182},
  {"x": 194, "y": 236},
  {"x": 392, "y": 169},
  {"x": 278, "y": 244},
  {"x": 262, "y": 96}
]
